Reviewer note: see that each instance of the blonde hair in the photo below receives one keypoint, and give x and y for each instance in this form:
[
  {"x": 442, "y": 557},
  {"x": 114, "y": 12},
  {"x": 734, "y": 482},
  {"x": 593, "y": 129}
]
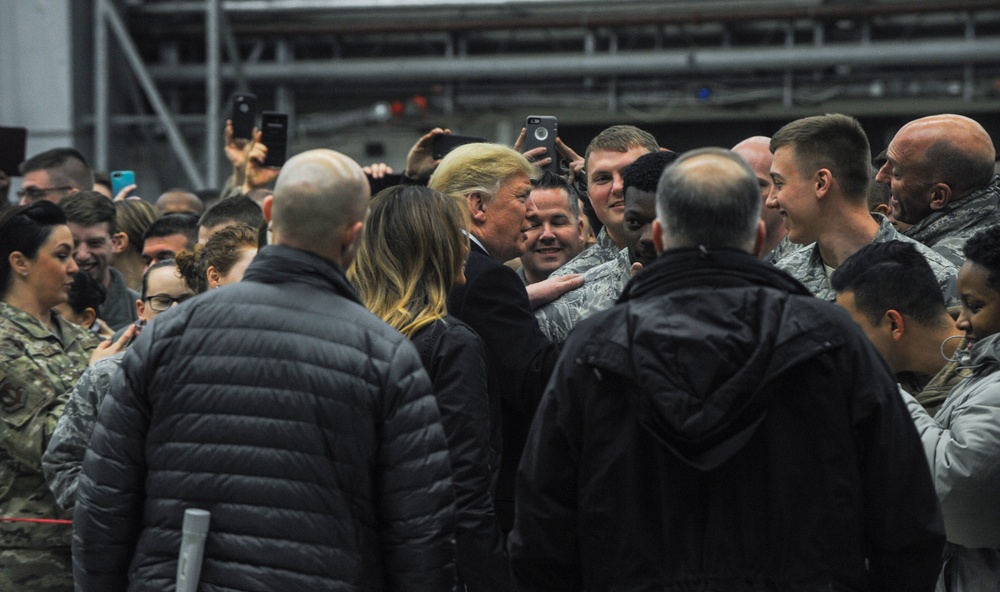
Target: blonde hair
[
  {"x": 410, "y": 255},
  {"x": 222, "y": 251},
  {"x": 479, "y": 167}
]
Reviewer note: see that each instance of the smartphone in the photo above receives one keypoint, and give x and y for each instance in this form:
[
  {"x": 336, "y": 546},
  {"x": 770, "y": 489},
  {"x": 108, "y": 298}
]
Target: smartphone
[
  {"x": 274, "y": 135},
  {"x": 120, "y": 180},
  {"x": 244, "y": 115},
  {"x": 541, "y": 130},
  {"x": 445, "y": 143},
  {"x": 12, "y": 144}
]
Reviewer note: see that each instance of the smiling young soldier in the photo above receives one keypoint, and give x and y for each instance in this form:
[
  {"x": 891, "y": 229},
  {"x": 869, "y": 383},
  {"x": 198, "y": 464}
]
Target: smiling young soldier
[
  {"x": 821, "y": 170},
  {"x": 604, "y": 284},
  {"x": 608, "y": 153},
  {"x": 92, "y": 219}
]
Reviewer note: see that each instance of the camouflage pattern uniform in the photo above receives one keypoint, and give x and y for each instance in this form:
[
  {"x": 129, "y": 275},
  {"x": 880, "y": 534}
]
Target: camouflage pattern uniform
[
  {"x": 37, "y": 372},
  {"x": 520, "y": 274},
  {"x": 63, "y": 459},
  {"x": 947, "y": 230},
  {"x": 806, "y": 265},
  {"x": 603, "y": 250},
  {"x": 601, "y": 288},
  {"x": 782, "y": 249}
]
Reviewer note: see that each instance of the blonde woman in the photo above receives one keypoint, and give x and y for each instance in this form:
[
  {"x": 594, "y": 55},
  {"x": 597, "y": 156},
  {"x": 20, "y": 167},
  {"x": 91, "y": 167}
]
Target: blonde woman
[{"x": 412, "y": 254}]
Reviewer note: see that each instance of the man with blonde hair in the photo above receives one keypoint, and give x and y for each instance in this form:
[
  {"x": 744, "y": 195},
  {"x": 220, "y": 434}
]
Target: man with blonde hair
[
  {"x": 304, "y": 423},
  {"x": 494, "y": 181},
  {"x": 607, "y": 155}
]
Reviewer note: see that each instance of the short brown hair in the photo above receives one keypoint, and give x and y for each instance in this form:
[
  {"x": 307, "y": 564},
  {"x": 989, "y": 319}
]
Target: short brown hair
[
  {"x": 621, "y": 138},
  {"x": 833, "y": 141}
]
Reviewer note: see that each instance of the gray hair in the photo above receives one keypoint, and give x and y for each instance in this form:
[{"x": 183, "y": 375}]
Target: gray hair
[{"x": 709, "y": 197}]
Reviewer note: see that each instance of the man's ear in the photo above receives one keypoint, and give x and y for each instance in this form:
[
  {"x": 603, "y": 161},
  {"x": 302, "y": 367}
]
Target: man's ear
[
  {"x": 896, "y": 324},
  {"x": 119, "y": 242},
  {"x": 477, "y": 207},
  {"x": 824, "y": 182},
  {"x": 581, "y": 230},
  {"x": 266, "y": 207},
  {"x": 351, "y": 236},
  {"x": 884, "y": 209},
  {"x": 758, "y": 241},
  {"x": 941, "y": 196},
  {"x": 658, "y": 241},
  {"x": 140, "y": 308}
]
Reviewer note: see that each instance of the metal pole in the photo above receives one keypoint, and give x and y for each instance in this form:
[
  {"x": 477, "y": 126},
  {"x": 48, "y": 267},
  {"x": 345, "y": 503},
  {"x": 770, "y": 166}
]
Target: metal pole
[
  {"x": 101, "y": 112},
  {"x": 153, "y": 94},
  {"x": 233, "y": 52},
  {"x": 213, "y": 92}
]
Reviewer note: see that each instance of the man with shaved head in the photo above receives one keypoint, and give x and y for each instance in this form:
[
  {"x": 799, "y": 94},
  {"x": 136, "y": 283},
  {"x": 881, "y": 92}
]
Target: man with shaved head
[
  {"x": 305, "y": 425},
  {"x": 757, "y": 152},
  {"x": 179, "y": 201},
  {"x": 940, "y": 170},
  {"x": 698, "y": 434}
]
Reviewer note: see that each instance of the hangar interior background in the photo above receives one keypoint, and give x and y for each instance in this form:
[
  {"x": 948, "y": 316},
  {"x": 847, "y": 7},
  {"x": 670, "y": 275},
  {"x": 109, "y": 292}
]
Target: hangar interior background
[{"x": 145, "y": 84}]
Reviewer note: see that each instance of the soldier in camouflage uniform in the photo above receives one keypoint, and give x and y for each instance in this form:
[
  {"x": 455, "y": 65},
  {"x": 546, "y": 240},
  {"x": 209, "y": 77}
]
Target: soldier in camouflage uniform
[
  {"x": 608, "y": 153},
  {"x": 821, "y": 171},
  {"x": 940, "y": 171},
  {"x": 162, "y": 288},
  {"x": 605, "y": 283},
  {"x": 41, "y": 358},
  {"x": 806, "y": 264}
]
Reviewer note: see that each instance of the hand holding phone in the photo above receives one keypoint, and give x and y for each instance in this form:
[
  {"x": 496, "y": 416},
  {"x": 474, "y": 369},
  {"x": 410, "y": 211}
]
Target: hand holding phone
[
  {"x": 541, "y": 132},
  {"x": 445, "y": 143},
  {"x": 244, "y": 115},
  {"x": 120, "y": 180},
  {"x": 274, "y": 135}
]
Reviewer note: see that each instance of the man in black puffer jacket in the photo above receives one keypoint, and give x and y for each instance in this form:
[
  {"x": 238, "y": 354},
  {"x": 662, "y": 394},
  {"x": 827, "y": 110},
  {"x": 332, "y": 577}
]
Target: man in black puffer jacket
[
  {"x": 304, "y": 424},
  {"x": 721, "y": 429}
]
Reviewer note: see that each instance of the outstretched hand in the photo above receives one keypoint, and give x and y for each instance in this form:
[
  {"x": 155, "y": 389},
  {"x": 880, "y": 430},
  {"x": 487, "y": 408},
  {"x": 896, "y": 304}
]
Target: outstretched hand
[
  {"x": 256, "y": 174},
  {"x": 545, "y": 291},
  {"x": 420, "y": 162},
  {"x": 109, "y": 348}
]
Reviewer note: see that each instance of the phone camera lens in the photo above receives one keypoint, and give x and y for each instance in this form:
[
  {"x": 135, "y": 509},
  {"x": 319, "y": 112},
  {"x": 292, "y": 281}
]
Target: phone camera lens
[{"x": 541, "y": 134}]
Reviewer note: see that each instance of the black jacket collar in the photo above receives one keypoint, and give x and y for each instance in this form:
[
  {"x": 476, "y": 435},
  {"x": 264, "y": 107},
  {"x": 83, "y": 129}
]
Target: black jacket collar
[
  {"x": 277, "y": 264},
  {"x": 692, "y": 267}
]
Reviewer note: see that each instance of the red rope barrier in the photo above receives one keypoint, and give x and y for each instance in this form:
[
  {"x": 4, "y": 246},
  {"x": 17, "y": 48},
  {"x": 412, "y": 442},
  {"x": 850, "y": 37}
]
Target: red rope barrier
[{"x": 36, "y": 520}]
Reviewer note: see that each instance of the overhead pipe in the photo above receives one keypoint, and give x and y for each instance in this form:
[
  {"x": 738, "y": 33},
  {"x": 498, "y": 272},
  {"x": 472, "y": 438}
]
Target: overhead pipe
[{"x": 633, "y": 63}]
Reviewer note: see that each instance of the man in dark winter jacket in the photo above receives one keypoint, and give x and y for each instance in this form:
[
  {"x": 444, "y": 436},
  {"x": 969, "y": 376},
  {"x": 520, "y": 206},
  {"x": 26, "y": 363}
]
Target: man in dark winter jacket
[
  {"x": 721, "y": 429},
  {"x": 304, "y": 424}
]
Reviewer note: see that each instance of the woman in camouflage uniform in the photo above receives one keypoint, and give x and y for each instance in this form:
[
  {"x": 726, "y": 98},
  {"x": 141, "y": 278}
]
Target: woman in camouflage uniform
[{"x": 41, "y": 358}]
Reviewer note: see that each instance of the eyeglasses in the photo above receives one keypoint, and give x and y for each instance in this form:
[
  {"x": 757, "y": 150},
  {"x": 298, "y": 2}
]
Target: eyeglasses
[
  {"x": 163, "y": 302},
  {"x": 37, "y": 193}
]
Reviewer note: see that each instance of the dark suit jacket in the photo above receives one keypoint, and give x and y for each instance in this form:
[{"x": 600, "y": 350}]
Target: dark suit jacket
[{"x": 495, "y": 304}]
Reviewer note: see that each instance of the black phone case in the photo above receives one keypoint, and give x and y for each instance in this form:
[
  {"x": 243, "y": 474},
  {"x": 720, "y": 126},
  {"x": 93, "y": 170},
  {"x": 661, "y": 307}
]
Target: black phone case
[
  {"x": 274, "y": 135},
  {"x": 244, "y": 115}
]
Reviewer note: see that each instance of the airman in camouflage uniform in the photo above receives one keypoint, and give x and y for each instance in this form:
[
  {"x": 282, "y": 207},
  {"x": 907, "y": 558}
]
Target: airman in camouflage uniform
[
  {"x": 946, "y": 230},
  {"x": 601, "y": 288},
  {"x": 602, "y": 251},
  {"x": 63, "y": 458},
  {"x": 940, "y": 171},
  {"x": 37, "y": 372},
  {"x": 806, "y": 265}
]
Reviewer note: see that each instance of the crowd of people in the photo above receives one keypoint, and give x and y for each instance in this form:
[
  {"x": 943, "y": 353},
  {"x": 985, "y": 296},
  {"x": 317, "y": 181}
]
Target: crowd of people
[{"x": 770, "y": 367}]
